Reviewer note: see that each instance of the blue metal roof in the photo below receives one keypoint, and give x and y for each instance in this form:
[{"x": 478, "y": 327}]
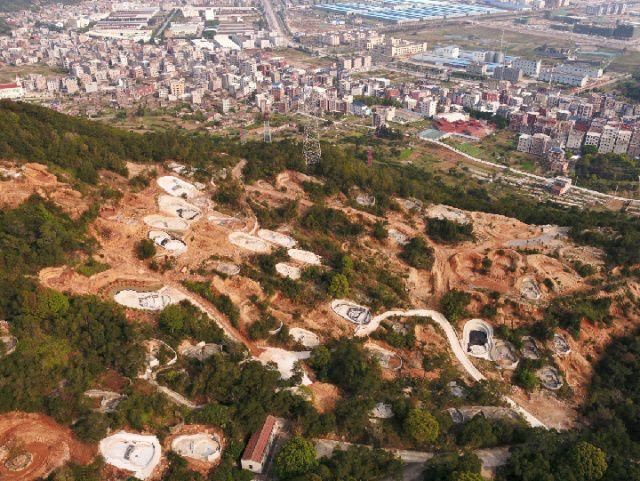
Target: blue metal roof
[{"x": 409, "y": 11}]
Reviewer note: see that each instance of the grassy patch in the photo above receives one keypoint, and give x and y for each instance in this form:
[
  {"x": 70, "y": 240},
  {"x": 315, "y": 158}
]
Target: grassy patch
[{"x": 91, "y": 267}]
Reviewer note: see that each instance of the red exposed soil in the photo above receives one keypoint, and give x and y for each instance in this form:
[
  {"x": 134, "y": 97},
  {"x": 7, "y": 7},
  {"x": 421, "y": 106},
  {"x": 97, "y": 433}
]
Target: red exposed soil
[{"x": 49, "y": 444}]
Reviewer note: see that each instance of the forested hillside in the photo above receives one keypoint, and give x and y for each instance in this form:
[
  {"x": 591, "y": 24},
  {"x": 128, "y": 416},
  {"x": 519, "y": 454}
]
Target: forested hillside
[{"x": 37, "y": 134}]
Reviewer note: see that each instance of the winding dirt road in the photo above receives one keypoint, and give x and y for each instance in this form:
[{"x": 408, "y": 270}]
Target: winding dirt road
[{"x": 457, "y": 349}]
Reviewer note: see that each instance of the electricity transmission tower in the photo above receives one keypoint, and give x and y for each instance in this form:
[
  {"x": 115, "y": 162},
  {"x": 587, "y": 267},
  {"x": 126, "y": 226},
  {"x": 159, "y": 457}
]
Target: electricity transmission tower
[
  {"x": 311, "y": 141},
  {"x": 267, "y": 128}
]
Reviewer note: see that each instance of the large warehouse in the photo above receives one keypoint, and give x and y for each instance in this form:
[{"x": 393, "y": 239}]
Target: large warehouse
[{"x": 400, "y": 11}]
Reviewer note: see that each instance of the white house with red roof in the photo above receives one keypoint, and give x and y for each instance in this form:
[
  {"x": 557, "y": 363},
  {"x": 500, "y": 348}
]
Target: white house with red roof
[
  {"x": 255, "y": 454},
  {"x": 11, "y": 91}
]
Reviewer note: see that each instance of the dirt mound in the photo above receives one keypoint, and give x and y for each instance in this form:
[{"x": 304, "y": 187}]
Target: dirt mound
[
  {"x": 545, "y": 267},
  {"x": 36, "y": 179},
  {"x": 325, "y": 396},
  {"x": 493, "y": 269},
  {"x": 33, "y": 445}
]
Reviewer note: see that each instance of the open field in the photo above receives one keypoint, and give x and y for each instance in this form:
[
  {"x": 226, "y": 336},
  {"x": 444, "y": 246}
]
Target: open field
[
  {"x": 301, "y": 59},
  {"x": 483, "y": 37},
  {"x": 499, "y": 147},
  {"x": 9, "y": 74},
  {"x": 480, "y": 36}
]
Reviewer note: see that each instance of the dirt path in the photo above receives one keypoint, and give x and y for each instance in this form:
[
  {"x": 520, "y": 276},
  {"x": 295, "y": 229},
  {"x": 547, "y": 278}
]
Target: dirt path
[
  {"x": 222, "y": 321},
  {"x": 174, "y": 396},
  {"x": 491, "y": 458}
]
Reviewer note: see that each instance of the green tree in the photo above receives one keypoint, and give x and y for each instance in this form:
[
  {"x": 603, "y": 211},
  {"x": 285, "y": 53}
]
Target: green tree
[
  {"x": 417, "y": 253},
  {"x": 454, "y": 304},
  {"x": 476, "y": 433},
  {"x": 172, "y": 319},
  {"x": 379, "y": 231},
  {"x": 297, "y": 457},
  {"x": 91, "y": 428},
  {"x": 339, "y": 286},
  {"x": 525, "y": 378},
  {"x": 352, "y": 369},
  {"x": 446, "y": 466},
  {"x": 421, "y": 426},
  {"x": 445, "y": 231},
  {"x": 587, "y": 462},
  {"x": 467, "y": 476},
  {"x": 320, "y": 361},
  {"x": 145, "y": 249}
]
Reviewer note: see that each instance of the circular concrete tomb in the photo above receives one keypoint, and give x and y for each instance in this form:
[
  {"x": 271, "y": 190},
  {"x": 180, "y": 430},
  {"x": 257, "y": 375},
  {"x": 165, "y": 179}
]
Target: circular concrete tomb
[
  {"x": 382, "y": 410},
  {"x": 550, "y": 378},
  {"x": 305, "y": 257},
  {"x": 277, "y": 238},
  {"x": 351, "y": 311},
  {"x": 227, "y": 268},
  {"x": 166, "y": 223},
  {"x": 504, "y": 355},
  {"x": 387, "y": 359},
  {"x": 178, "y": 207},
  {"x": 365, "y": 200},
  {"x": 108, "y": 400},
  {"x": 19, "y": 462},
  {"x": 530, "y": 348},
  {"x": 201, "y": 447},
  {"x": 200, "y": 351},
  {"x": 249, "y": 242},
  {"x": 456, "y": 415},
  {"x": 398, "y": 237},
  {"x": 530, "y": 290},
  {"x": 223, "y": 220},
  {"x": 136, "y": 453},
  {"x": 167, "y": 242},
  {"x": 177, "y": 187},
  {"x": 8, "y": 344},
  {"x": 307, "y": 338},
  {"x": 289, "y": 271},
  {"x": 477, "y": 339},
  {"x": 560, "y": 345}
]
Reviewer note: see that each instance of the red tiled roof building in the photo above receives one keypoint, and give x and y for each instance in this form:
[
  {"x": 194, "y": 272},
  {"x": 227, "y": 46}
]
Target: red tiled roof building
[{"x": 255, "y": 454}]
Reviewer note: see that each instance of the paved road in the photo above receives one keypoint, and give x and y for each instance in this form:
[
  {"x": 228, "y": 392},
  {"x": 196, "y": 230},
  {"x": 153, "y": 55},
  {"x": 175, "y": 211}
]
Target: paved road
[
  {"x": 457, "y": 349},
  {"x": 539, "y": 178},
  {"x": 491, "y": 458},
  {"x": 173, "y": 396},
  {"x": 273, "y": 20}
]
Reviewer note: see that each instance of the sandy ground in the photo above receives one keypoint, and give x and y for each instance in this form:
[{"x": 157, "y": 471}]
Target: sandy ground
[
  {"x": 49, "y": 444},
  {"x": 36, "y": 179}
]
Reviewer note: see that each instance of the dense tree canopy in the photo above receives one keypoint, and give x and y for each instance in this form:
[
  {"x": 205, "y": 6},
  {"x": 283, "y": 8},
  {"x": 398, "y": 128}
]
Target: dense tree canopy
[
  {"x": 446, "y": 231},
  {"x": 422, "y": 426},
  {"x": 296, "y": 457},
  {"x": 417, "y": 253},
  {"x": 37, "y": 134}
]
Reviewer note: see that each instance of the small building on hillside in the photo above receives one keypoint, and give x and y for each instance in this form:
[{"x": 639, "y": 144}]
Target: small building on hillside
[
  {"x": 561, "y": 185},
  {"x": 256, "y": 453}
]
